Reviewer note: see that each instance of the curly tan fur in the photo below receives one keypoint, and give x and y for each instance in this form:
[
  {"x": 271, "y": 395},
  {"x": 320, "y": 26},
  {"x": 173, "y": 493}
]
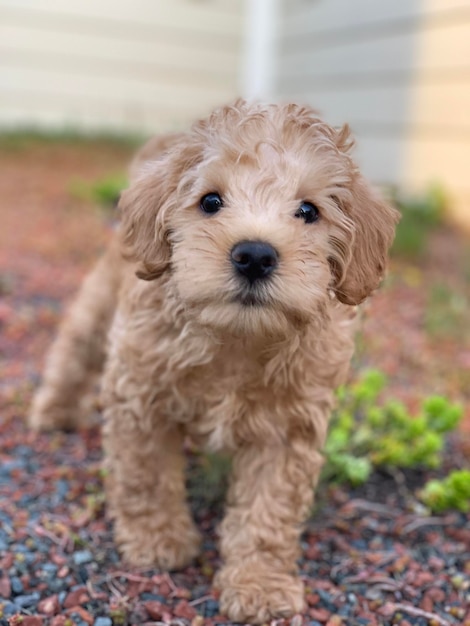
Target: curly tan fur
[{"x": 189, "y": 355}]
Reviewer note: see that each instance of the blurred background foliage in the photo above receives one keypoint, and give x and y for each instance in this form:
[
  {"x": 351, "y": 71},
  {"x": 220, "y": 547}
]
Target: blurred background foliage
[{"x": 420, "y": 215}]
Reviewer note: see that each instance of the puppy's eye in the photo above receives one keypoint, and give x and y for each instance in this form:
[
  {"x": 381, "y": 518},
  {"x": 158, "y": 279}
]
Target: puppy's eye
[
  {"x": 308, "y": 212},
  {"x": 211, "y": 203}
]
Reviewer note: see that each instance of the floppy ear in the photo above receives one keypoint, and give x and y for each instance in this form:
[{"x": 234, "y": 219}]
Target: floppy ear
[
  {"x": 143, "y": 229},
  {"x": 371, "y": 235},
  {"x": 146, "y": 206}
]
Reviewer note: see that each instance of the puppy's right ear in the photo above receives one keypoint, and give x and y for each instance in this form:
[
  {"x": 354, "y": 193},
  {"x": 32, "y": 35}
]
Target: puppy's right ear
[{"x": 143, "y": 230}]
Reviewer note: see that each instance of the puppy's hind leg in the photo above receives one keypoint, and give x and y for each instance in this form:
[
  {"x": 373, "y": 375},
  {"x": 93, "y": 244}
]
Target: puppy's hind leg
[{"x": 79, "y": 351}]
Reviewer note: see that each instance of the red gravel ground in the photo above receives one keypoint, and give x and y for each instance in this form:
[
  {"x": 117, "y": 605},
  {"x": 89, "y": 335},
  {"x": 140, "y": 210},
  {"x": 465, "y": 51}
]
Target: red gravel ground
[{"x": 369, "y": 557}]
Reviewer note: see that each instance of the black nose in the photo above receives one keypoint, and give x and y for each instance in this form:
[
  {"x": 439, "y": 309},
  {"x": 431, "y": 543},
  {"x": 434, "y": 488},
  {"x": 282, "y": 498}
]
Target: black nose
[{"x": 254, "y": 259}]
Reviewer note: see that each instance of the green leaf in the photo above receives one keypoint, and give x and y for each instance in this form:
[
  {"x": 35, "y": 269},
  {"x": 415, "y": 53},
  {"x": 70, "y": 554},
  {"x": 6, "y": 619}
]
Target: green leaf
[{"x": 453, "y": 492}]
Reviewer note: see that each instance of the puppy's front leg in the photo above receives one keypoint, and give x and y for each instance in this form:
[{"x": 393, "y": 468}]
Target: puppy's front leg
[
  {"x": 145, "y": 483},
  {"x": 269, "y": 499}
]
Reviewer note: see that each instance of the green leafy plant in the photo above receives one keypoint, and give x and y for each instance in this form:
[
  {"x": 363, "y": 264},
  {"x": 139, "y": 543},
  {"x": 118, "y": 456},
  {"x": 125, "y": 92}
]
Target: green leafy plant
[
  {"x": 104, "y": 192},
  {"x": 366, "y": 434},
  {"x": 452, "y": 492},
  {"x": 420, "y": 215}
]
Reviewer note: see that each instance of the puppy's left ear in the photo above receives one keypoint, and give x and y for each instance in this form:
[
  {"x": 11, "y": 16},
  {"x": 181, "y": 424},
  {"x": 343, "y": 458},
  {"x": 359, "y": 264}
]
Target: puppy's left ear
[
  {"x": 143, "y": 230},
  {"x": 147, "y": 206},
  {"x": 373, "y": 224}
]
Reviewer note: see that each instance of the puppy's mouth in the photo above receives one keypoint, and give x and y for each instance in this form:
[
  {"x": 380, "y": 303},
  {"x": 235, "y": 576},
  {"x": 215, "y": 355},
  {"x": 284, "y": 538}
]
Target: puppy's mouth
[{"x": 251, "y": 297}]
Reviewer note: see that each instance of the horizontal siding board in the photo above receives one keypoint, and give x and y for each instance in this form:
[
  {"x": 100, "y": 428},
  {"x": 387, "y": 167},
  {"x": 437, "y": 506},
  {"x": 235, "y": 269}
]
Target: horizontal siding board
[
  {"x": 18, "y": 36},
  {"x": 102, "y": 56},
  {"x": 46, "y": 112},
  {"x": 441, "y": 109},
  {"x": 351, "y": 105},
  {"x": 62, "y": 68},
  {"x": 218, "y": 17},
  {"x": 357, "y": 18},
  {"x": 379, "y": 158},
  {"x": 447, "y": 48},
  {"x": 119, "y": 30},
  {"x": 413, "y": 161},
  {"x": 131, "y": 93},
  {"x": 122, "y": 63}
]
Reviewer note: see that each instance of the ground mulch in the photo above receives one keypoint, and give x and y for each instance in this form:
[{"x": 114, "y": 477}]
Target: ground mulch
[{"x": 371, "y": 556}]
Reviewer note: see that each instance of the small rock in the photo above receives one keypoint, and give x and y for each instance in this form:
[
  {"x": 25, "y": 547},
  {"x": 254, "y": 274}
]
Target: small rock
[
  {"x": 147, "y": 595},
  {"x": 458, "y": 582},
  {"x": 387, "y": 609},
  {"x": 436, "y": 594},
  {"x": 436, "y": 564},
  {"x": 82, "y": 556},
  {"x": 5, "y": 587},
  {"x": 344, "y": 611},
  {"x": 25, "y": 620},
  {"x": 82, "y": 574},
  {"x": 211, "y": 608},
  {"x": 427, "y": 603},
  {"x": 185, "y": 610},
  {"x": 81, "y": 616},
  {"x": 50, "y": 605},
  {"x": 103, "y": 621},
  {"x": 154, "y": 609},
  {"x": 27, "y": 601},
  {"x": 182, "y": 593},
  {"x": 59, "y": 559},
  {"x": 421, "y": 579},
  {"x": 320, "y": 615},
  {"x": 373, "y": 594},
  {"x": 32, "y": 620},
  {"x": 312, "y": 599},
  {"x": 16, "y": 585},
  {"x": 335, "y": 620},
  {"x": 9, "y": 609},
  {"x": 59, "y": 620},
  {"x": 76, "y": 597}
]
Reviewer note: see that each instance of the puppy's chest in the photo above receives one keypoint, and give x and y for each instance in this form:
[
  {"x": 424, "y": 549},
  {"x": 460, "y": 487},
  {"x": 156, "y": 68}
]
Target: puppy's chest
[{"x": 223, "y": 401}]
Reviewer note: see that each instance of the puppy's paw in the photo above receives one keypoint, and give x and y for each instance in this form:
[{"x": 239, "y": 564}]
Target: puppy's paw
[
  {"x": 256, "y": 595},
  {"x": 49, "y": 412},
  {"x": 169, "y": 547}
]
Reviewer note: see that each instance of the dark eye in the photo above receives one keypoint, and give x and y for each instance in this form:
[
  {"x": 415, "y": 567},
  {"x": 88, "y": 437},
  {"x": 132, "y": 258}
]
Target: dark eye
[
  {"x": 308, "y": 212},
  {"x": 211, "y": 203}
]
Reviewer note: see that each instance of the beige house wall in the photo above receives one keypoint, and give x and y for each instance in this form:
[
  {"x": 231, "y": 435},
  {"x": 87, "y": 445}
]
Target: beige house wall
[
  {"x": 399, "y": 73},
  {"x": 117, "y": 64}
]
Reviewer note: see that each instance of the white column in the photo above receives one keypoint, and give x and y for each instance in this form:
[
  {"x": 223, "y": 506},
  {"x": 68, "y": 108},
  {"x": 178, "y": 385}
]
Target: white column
[{"x": 260, "y": 50}]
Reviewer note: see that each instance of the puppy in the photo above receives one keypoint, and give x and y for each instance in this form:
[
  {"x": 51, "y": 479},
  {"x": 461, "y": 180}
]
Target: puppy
[{"x": 228, "y": 299}]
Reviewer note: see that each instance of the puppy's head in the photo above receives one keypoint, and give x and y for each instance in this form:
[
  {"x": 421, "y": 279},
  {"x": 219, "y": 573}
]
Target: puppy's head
[{"x": 259, "y": 215}]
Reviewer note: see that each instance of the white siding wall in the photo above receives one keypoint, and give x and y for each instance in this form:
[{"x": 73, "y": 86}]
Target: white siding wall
[
  {"x": 398, "y": 72},
  {"x": 117, "y": 64}
]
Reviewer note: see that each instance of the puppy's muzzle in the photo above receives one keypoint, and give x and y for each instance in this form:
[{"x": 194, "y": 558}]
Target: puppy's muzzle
[{"x": 255, "y": 260}]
